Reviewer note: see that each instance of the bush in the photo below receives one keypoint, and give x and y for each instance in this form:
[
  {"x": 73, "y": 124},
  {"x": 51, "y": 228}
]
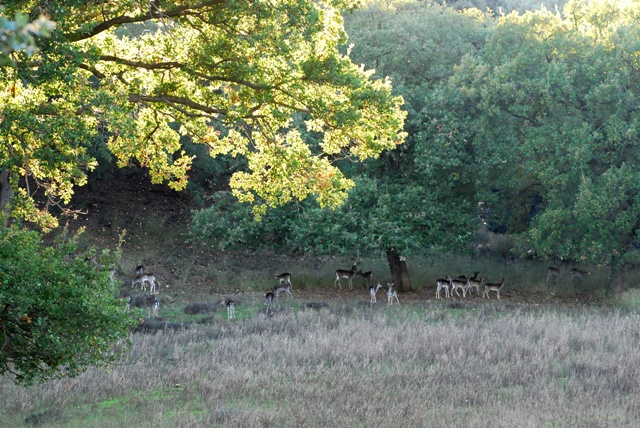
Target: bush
[{"x": 58, "y": 313}]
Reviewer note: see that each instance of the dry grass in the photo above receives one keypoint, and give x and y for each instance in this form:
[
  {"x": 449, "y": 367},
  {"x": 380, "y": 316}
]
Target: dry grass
[{"x": 486, "y": 365}]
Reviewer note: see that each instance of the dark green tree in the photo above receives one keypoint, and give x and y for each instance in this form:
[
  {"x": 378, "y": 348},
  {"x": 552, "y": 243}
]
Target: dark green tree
[
  {"x": 401, "y": 204},
  {"x": 550, "y": 110},
  {"x": 58, "y": 313}
]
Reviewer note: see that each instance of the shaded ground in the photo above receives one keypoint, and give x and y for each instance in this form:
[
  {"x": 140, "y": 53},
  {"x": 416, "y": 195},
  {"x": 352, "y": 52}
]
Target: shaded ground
[{"x": 156, "y": 221}]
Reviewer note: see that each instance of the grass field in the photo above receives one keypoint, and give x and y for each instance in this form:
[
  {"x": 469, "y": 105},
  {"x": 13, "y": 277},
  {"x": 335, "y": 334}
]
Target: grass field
[{"x": 476, "y": 363}]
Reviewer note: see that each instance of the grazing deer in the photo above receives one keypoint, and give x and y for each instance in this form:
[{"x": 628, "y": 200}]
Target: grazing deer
[
  {"x": 460, "y": 284},
  {"x": 285, "y": 286},
  {"x": 372, "y": 291},
  {"x": 368, "y": 276},
  {"x": 443, "y": 284},
  {"x": 230, "y": 304},
  {"x": 578, "y": 273},
  {"x": 150, "y": 301},
  {"x": 284, "y": 278},
  {"x": 348, "y": 274},
  {"x": 142, "y": 278},
  {"x": 391, "y": 293},
  {"x": 552, "y": 272},
  {"x": 493, "y": 287},
  {"x": 269, "y": 298}
]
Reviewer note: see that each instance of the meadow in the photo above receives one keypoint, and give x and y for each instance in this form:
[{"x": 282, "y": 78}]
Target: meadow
[{"x": 425, "y": 363}]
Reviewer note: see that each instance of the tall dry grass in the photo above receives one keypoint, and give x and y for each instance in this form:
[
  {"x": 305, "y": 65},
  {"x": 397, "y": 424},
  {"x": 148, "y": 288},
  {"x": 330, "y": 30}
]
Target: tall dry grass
[{"x": 489, "y": 365}]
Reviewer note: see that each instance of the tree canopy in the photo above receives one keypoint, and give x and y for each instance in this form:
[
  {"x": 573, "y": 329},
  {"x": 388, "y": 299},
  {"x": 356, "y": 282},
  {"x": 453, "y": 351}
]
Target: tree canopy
[
  {"x": 226, "y": 74},
  {"x": 550, "y": 106},
  {"x": 526, "y": 121}
]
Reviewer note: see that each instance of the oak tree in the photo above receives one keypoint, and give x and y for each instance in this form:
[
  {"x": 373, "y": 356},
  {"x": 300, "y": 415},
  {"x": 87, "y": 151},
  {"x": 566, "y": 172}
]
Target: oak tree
[
  {"x": 226, "y": 74},
  {"x": 550, "y": 106}
]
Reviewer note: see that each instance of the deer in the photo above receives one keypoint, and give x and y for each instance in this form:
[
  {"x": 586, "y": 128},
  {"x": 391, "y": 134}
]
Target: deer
[
  {"x": 443, "y": 284},
  {"x": 230, "y": 304},
  {"x": 284, "y": 278},
  {"x": 496, "y": 287},
  {"x": 460, "y": 283},
  {"x": 391, "y": 293},
  {"x": 269, "y": 298},
  {"x": 285, "y": 286},
  {"x": 372, "y": 291},
  {"x": 476, "y": 283},
  {"x": 348, "y": 274},
  {"x": 368, "y": 276},
  {"x": 142, "y": 278},
  {"x": 578, "y": 273},
  {"x": 150, "y": 301},
  {"x": 552, "y": 272},
  {"x": 464, "y": 277}
]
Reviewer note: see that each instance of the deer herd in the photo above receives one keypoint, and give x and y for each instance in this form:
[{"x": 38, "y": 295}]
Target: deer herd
[
  {"x": 466, "y": 284},
  {"x": 461, "y": 286}
]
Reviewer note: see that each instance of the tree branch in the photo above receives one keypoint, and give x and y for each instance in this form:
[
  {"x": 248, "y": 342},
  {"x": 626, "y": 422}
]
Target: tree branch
[{"x": 153, "y": 13}]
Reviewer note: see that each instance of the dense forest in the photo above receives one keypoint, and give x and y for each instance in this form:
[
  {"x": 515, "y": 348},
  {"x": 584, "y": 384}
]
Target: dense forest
[
  {"x": 332, "y": 127},
  {"x": 522, "y": 122}
]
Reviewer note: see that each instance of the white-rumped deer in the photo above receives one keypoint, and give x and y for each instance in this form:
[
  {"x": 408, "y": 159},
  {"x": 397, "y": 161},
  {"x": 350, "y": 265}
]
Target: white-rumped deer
[
  {"x": 372, "y": 291},
  {"x": 230, "y": 304},
  {"x": 391, "y": 294},
  {"x": 460, "y": 284},
  {"x": 443, "y": 284},
  {"x": 149, "y": 301},
  {"x": 269, "y": 298},
  {"x": 142, "y": 278},
  {"x": 476, "y": 283},
  {"x": 348, "y": 274},
  {"x": 495, "y": 287}
]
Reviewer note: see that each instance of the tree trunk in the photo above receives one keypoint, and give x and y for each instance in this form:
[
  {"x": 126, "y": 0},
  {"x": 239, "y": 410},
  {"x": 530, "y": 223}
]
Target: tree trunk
[
  {"x": 617, "y": 275},
  {"x": 6, "y": 192},
  {"x": 399, "y": 272}
]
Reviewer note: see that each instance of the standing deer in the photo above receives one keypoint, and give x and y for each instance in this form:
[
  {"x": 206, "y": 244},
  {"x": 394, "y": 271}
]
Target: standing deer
[
  {"x": 391, "y": 293},
  {"x": 230, "y": 304},
  {"x": 372, "y": 291},
  {"x": 493, "y": 287},
  {"x": 476, "y": 283},
  {"x": 284, "y": 278},
  {"x": 368, "y": 276},
  {"x": 460, "y": 283},
  {"x": 552, "y": 272},
  {"x": 269, "y": 298},
  {"x": 348, "y": 274},
  {"x": 285, "y": 286},
  {"x": 443, "y": 284}
]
